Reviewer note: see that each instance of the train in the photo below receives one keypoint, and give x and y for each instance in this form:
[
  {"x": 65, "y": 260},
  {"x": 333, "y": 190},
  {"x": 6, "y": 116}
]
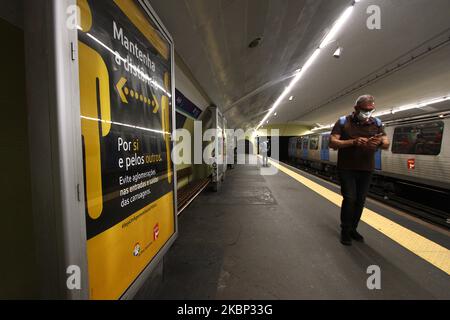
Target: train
[{"x": 415, "y": 170}]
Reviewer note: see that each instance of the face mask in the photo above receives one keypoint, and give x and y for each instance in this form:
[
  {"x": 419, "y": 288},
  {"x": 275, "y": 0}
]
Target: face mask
[{"x": 365, "y": 115}]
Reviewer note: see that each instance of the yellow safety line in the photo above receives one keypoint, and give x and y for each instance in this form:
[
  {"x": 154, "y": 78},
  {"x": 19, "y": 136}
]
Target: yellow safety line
[{"x": 417, "y": 244}]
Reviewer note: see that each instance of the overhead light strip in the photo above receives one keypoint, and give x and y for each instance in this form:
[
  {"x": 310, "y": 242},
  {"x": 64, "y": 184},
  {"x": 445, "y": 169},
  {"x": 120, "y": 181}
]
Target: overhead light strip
[
  {"x": 329, "y": 38},
  {"x": 398, "y": 109},
  {"x": 337, "y": 26}
]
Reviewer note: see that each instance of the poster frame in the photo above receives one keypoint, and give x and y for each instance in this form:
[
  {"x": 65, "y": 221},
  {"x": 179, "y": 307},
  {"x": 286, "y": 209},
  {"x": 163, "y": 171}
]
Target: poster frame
[{"x": 54, "y": 131}]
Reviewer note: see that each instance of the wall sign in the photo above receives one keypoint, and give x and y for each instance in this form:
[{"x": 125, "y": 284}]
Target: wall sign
[
  {"x": 126, "y": 121},
  {"x": 186, "y": 105}
]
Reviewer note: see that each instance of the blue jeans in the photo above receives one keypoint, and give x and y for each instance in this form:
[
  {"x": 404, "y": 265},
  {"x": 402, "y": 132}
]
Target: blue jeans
[{"x": 354, "y": 188}]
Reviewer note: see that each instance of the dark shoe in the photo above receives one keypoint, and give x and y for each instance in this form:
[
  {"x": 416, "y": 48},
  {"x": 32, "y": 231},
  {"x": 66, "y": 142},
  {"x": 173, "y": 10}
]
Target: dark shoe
[
  {"x": 346, "y": 239},
  {"x": 356, "y": 236}
]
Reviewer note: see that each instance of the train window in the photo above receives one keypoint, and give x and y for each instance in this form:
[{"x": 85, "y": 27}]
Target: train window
[
  {"x": 420, "y": 139},
  {"x": 314, "y": 143},
  {"x": 300, "y": 143},
  {"x": 325, "y": 142},
  {"x": 305, "y": 143}
]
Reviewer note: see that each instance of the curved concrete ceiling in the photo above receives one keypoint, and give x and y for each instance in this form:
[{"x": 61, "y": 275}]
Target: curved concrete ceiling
[{"x": 212, "y": 37}]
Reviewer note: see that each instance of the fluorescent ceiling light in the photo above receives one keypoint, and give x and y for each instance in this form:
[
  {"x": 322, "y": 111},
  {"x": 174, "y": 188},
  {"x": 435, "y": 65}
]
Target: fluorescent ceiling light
[
  {"x": 310, "y": 61},
  {"x": 406, "y": 108},
  {"x": 323, "y": 127},
  {"x": 300, "y": 72},
  {"x": 308, "y": 64},
  {"x": 382, "y": 113},
  {"x": 286, "y": 91},
  {"x": 337, "y": 26},
  {"x": 402, "y": 108},
  {"x": 420, "y": 104},
  {"x": 438, "y": 100}
]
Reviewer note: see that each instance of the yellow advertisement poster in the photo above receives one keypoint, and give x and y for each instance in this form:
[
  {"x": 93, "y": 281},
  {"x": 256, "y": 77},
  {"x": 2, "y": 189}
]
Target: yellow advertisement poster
[{"x": 126, "y": 122}]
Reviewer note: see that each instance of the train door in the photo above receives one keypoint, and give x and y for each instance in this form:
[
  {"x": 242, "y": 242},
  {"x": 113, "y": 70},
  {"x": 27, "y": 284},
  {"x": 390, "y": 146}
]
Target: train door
[
  {"x": 305, "y": 147},
  {"x": 292, "y": 147},
  {"x": 298, "y": 149},
  {"x": 314, "y": 151},
  {"x": 378, "y": 160},
  {"x": 325, "y": 148}
]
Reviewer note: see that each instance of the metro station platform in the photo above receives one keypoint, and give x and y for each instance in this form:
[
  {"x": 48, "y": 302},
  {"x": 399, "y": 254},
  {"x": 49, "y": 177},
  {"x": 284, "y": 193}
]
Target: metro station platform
[{"x": 277, "y": 237}]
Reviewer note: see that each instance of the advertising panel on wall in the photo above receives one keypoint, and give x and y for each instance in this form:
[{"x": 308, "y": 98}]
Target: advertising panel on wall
[{"x": 126, "y": 99}]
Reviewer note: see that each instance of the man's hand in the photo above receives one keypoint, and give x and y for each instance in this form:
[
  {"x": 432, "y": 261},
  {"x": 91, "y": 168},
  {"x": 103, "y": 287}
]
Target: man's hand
[
  {"x": 361, "y": 142},
  {"x": 373, "y": 143}
]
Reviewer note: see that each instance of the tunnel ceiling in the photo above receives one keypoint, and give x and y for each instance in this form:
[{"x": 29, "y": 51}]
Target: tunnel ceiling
[{"x": 213, "y": 37}]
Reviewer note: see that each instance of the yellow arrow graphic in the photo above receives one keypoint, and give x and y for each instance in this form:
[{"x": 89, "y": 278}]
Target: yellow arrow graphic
[
  {"x": 119, "y": 87},
  {"x": 156, "y": 106}
]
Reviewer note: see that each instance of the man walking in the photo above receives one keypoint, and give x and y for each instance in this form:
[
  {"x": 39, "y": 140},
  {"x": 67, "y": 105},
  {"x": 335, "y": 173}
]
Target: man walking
[
  {"x": 264, "y": 152},
  {"x": 357, "y": 137}
]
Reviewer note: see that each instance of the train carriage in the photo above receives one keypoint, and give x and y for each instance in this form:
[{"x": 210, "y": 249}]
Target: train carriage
[
  {"x": 417, "y": 164},
  {"x": 419, "y": 152}
]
